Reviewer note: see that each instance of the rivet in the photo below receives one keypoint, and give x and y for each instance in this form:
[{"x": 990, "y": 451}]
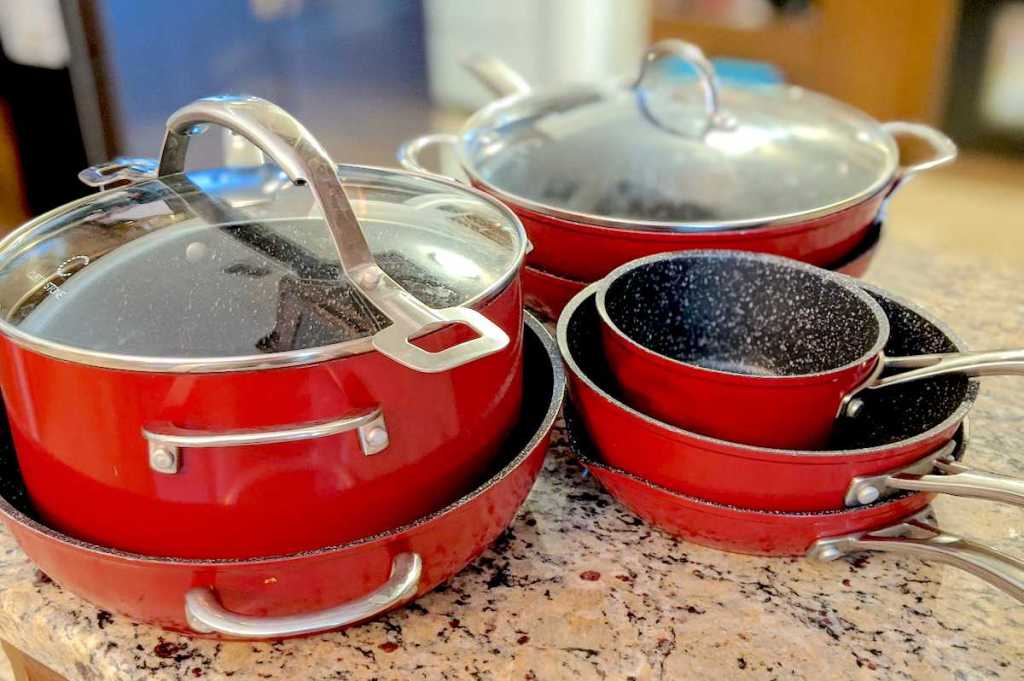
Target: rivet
[
  {"x": 377, "y": 437},
  {"x": 371, "y": 278},
  {"x": 162, "y": 459},
  {"x": 868, "y": 494},
  {"x": 829, "y": 553},
  {"x": 854, "y": 408}
]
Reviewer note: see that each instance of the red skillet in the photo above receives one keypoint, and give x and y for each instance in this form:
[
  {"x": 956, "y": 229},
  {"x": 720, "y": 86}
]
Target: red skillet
[
  {"x": 911, "y": 423},
  {"x": 756, "y": 349},
  {"x": 898, "y": 525},
  {"x": 290, "y": 595}
]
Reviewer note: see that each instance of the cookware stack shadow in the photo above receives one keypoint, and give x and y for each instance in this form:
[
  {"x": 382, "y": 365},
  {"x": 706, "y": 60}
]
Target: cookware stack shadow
[
  {"x": 267, "y": 401},
  {"x": 867, "y": 486}
]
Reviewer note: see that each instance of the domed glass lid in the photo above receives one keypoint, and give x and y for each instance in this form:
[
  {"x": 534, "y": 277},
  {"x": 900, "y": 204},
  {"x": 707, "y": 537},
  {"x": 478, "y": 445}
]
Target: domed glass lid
[
  {"x": 240, "y": 268},
  {"x": 676, "y": 152}
]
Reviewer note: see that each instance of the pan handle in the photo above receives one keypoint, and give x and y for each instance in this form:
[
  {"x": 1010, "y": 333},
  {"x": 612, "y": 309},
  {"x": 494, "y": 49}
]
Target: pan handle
[
  {"x": 943, "y": 148},
  {"x": 917, "y": 537},
  {"x": 281, "y": 137},
  {"x": 961, "y": 481},
  {"x": 206, "y": 615},
  {"x": 409, "y": 153},
  {"x": 166, "y": 441},
  {"x": 497, "y": 76}
]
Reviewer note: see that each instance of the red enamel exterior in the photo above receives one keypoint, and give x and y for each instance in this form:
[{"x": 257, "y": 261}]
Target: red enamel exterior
[
  {"x": 738, "y": 530},
  {"x": 587, "y": 252},
  {"x": 77, "y": 431},
  {"x": 788, "y": 412},
  {"x": 547, "y": 294},
  {"x": 726, "y": 472},
  {"x": 153, "y": 590}
]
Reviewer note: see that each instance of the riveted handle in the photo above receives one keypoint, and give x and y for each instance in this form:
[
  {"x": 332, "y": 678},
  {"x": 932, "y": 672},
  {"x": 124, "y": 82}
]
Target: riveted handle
[
  {"x": 943, "y": 148},
  {"x": 279, "y": 135},
  {"x": 409, "y": 153},
  {"x": 960, "y": 481},
  {"x": 166, "y": 441},
  {"x": 918, "y": 537},
  {"x": 206, "y": 615}
]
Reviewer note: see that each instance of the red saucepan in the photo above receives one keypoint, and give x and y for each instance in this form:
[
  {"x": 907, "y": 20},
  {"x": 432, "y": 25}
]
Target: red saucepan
[
  {"x": 303, "y": 593},
  {"x": 894, "y": 447},
  {"x": 756, "y": 349},
  {"x": 243, "y": 362},
  {"x": 547, "y": 294},
  {"x": 604, "y": 174},
  {"x": 900, "y": 525}
]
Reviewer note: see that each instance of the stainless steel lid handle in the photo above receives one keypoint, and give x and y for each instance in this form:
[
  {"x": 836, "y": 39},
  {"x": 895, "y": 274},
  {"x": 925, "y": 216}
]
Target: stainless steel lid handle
[
  {"x": 943, "y": 148},
  {"x": 497, "y": 76},
  {"x": 664, "y": 50},
  {"x": 917, "y": 537},
  {"x": 274, "y": 131},
  {"x": 166, "y": 441},
  {"x": 409, "y": 153},
  {"x": 206, "y": 615}
]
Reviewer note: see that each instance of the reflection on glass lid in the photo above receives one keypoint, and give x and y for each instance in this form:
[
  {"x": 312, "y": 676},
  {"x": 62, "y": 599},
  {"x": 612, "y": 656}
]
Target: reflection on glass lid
[
  {"x": 652, "y": 156},
  {"x": 239, "y": 262}
]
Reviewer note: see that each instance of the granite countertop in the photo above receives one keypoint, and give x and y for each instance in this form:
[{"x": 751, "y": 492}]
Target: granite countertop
[{"x": 579, "y": 588}]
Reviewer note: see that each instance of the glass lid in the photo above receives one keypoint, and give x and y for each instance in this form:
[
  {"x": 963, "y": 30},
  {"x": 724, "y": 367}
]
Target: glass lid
[
  {"x": 677, "y": 152},
  {"x": 239, "y": 268}
]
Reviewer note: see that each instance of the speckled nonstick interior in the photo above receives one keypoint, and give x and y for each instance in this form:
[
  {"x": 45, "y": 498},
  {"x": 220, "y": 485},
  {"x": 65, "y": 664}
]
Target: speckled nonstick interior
[
  {"x": 743, "y": 313},
  {"x": 897, "y": 414}
]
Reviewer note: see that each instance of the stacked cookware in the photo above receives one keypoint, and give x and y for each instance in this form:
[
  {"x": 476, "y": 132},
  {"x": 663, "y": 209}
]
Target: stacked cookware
[
  {"x": 760, "y": 405},
  {"x": 266, "y": 401},
  {"x": 604, "y": 174}
]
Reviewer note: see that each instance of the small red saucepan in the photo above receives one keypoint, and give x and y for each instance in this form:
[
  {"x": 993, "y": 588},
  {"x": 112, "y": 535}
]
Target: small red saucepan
[
  {"x": 899, "y": 525},
  {"x": 756, "y": 349},
  {"x": 895, "y": 445}
]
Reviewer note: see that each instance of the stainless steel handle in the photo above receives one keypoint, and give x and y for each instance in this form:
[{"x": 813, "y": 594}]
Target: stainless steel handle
[
  {"x": 166, "y": 441},
  {"x": 692, "y": 55},
  {"x": 944, "y": 148},
  {"x": 409, "y": 153},
  {"x": 305, "y": 162},
  {"x": 961, "y": 481},
  {"x": 991, "y": 363},
  {"x": 917, "y": 537},
  {"x": 206, "y": 615},
  {"x": 497, "y": 76}
]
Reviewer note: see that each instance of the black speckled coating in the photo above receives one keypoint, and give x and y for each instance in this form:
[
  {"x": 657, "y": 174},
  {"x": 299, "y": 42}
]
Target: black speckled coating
[
  {"x": 743, "y": 314},
  {"x": 891, "y": 415}
]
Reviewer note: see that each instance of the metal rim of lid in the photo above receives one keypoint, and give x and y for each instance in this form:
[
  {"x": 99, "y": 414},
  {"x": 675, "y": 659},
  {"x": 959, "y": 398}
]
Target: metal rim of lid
[
  {"x": 532, "y": 100},
  {"x": 254, "y": 362}
]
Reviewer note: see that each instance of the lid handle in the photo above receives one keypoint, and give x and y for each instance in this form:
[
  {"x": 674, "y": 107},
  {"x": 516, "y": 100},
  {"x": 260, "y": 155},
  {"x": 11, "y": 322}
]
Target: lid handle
[
  {"x": 664, "y": 50},
  {"x": 287, "y": 142}
]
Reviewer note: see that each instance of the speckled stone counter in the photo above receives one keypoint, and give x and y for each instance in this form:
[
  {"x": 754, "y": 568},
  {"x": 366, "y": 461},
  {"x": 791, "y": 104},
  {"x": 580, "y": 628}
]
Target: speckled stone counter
[{"x": 579, "y": 588}]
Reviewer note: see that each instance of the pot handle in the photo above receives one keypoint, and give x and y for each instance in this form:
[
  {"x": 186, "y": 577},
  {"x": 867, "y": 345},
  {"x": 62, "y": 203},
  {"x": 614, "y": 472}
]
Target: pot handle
[
  {"x": 276, "y": 133},
  {"x": 497, "y": 76},
  {"x": 943, "y": 147},
  {"x": 917, "y": 537},
  {"x": 206, "y": 615},
  {"x": 166, "y": 441},
  {"x": 664, "y": 50},
  {"x": 409, "y": 153},
  {"x": 954, "y": 479}
]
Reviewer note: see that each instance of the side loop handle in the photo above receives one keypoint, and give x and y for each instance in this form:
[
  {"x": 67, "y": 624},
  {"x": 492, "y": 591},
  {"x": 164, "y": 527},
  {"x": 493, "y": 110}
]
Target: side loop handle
[
  {"x": 206, "y": 615},
  {"x": 944, "y": 148},
  {"x": 409, "y": 153},
  {"x": 918, "y": 537},
  {"x": 497, "y": 76},
  {"x": 279, "y": 135},
  {"x": 664, "y": 50}
]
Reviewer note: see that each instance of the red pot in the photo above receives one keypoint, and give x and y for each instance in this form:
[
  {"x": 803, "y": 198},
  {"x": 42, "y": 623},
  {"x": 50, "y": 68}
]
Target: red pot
[
  {"x": 297, "y": 594},
  {"x": 604, "y": 174},
  {"x": 899, "y": 525},
  {"x": 547, "y": 294},
  {"x": 213, "y": 360},
  {"x": 910, "y": 423}
]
